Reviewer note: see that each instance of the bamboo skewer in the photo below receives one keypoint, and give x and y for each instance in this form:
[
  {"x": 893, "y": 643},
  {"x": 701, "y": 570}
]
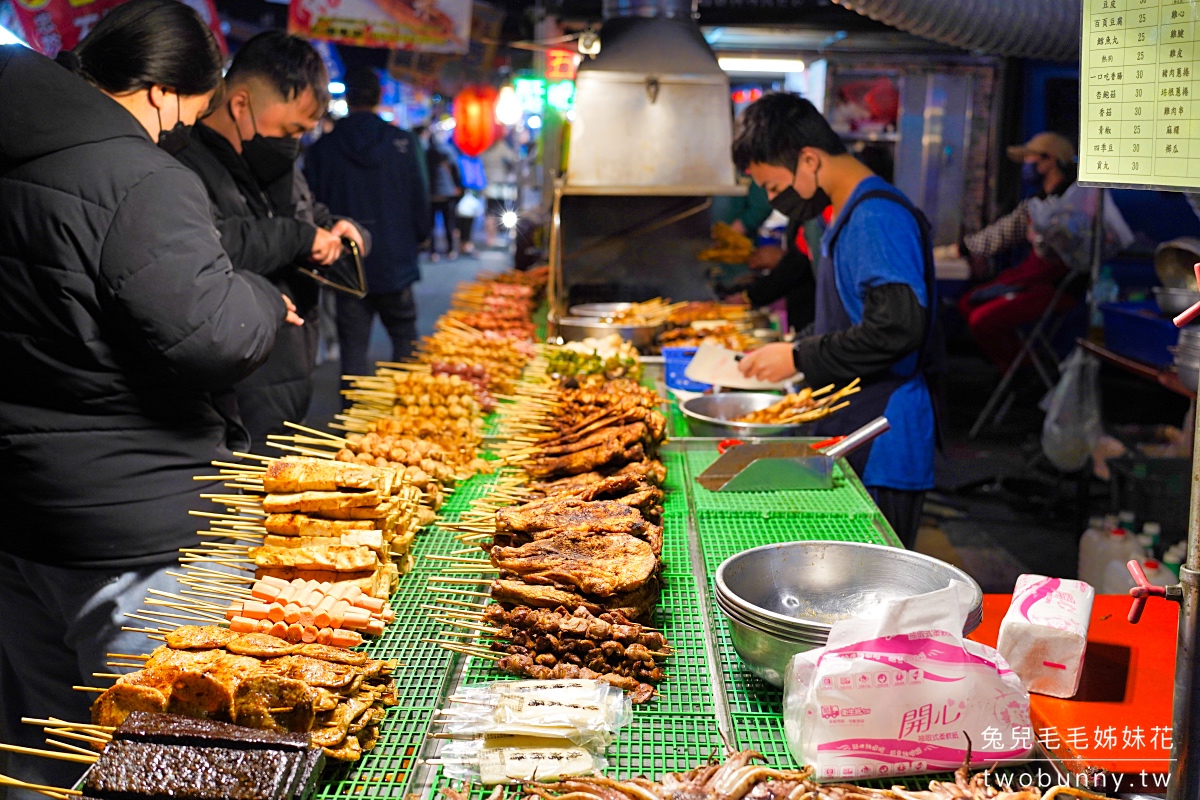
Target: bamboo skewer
[
  {"x": 33, "y": 751},
  {"x": 48, "y": 791}
]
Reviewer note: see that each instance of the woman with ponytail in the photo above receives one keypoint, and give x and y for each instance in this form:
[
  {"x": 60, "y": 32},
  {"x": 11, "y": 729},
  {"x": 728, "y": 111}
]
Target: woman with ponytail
[{"x": 122, "y": 327}]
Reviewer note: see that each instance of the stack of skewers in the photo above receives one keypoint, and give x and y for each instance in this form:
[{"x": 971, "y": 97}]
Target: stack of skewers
[
  {"x": 806, "y": 405},
  {"x": 575, "y": 565}
]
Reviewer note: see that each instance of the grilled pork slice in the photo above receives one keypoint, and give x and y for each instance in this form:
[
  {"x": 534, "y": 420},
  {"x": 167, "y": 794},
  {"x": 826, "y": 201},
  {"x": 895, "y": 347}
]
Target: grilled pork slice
[
  {"x": 274, "y": 703},
  {"x": 196, "y": 637},
  {"x": 571, "y": 514},
  {"x": 312, "y": 474},
  {"x": 598, "y": 564},
  {"x": 369, "y": 539},
  {"x": 338, "y": 558},
  {"x": 116, "y": 703},
  {"x": 320, "y": 501},
  {"x": 637, "y": 606},
  {"x": 304, "y": 525}
]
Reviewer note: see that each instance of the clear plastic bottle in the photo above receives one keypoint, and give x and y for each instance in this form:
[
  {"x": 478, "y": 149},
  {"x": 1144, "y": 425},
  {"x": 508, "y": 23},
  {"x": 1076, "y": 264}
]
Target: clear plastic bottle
[
  {"x": 1117, "y": 579},
  {"x": 1089, "y": 546},
  {"x": 1154, "y": 531},
  {"x": 1119, "y": 549}
]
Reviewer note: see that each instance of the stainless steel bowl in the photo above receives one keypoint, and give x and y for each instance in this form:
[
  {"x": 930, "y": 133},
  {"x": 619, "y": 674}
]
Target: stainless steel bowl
[
  {"x": 600, "y": 310},
  {"x": 1189, "y": 336},
  {"x": 1173, "y": 302},
  {"x": 807, "y": 586},
  {"x": 764, "y": 654},
  {"x": 711, "y": 415},
  {"x": 576, "y": 329},
  {"x": 817, "y": 638}
]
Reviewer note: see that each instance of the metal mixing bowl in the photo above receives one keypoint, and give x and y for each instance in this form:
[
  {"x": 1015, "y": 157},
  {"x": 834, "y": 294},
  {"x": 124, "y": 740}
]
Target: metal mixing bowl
[
  {"x": 764, "y": 654},
  {"x": 1189, "y": 373},
  {"x": 710, "y": 415},
  {"x": 576, "y": 329},
  {"x": 598, "y": 310},
  {"x": 1173, "y": 302},
  {"x": 807, "y": 586}
]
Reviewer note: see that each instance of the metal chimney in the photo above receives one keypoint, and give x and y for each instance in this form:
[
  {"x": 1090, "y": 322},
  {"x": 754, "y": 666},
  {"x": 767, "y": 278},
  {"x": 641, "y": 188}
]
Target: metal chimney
[{"x": 652, "y": 110}]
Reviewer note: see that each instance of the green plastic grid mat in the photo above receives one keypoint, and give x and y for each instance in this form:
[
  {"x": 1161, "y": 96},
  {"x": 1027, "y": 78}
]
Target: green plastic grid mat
[
  {"x": 689, "y": 688},
  {"x": 385, "y": 771},
  {"x": 675, "y": 556},
  {"x": 847, "y": 498},
  {"x": 725, "y": 534}
]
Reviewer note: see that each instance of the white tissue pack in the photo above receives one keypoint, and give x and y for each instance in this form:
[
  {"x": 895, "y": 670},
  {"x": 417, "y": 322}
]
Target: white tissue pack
[
  {"x": 900, "y": 692},
  {"x": 1044, "y": 634}
]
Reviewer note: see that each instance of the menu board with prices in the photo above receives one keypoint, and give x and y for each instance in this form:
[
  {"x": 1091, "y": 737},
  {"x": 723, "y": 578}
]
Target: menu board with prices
[{"x": 1139, "y": 86}]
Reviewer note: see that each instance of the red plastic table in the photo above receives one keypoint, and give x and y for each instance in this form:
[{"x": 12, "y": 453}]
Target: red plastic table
[{"x": 1119, "y": 722}]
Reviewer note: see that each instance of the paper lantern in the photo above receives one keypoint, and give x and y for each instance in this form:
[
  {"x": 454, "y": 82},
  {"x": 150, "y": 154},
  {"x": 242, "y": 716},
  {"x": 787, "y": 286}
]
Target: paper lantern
[{"x": 475, "y": 119}]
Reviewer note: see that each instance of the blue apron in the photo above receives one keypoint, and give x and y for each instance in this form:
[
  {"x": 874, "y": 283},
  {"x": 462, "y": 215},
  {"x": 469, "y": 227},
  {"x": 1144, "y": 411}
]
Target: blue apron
[{"x": 832, "y": 317}]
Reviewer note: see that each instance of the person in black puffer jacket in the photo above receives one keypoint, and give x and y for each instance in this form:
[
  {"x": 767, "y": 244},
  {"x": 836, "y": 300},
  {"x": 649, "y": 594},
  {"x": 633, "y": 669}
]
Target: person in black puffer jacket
[
  {"x": 245, "y": 154},
  {"x": 122, "y": 328}
]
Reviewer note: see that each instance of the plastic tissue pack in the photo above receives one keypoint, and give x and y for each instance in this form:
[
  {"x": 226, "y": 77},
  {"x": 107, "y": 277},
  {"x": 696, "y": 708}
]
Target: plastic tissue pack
[
  {"x": 1044, "y": 634},
  {"x": 898, "y": 693}
]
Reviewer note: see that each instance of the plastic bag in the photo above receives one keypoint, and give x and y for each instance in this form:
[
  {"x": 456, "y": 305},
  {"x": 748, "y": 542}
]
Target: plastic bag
[
  {"x": 588, "y": 713},
  {"x": 893, "y": 695},
  {"x": 1063, "y": 224},
  {"x": 1072, "y": 427},
  {"x": 469, "y": 207},
  {"x": 494, "y": 763}
]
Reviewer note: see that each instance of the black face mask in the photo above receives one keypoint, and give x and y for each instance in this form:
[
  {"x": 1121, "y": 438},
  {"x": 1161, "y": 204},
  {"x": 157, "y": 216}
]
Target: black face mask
[
  {"x": 174, "y": 140},
  {"x": 796, "y": 208},
  {"x": 269, "y": 157}
]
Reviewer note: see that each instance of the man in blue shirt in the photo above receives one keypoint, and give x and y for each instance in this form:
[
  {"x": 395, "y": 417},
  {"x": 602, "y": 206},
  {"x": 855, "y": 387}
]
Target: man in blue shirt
[{"x": 875, "y": 295}]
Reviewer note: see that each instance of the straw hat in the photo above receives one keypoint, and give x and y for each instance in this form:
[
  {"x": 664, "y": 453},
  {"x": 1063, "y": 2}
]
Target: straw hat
[{"x": 1046, "y": 143}]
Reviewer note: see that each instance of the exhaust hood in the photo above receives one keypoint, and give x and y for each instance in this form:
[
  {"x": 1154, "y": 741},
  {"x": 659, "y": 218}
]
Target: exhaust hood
[{"x": 652, "y": 111}]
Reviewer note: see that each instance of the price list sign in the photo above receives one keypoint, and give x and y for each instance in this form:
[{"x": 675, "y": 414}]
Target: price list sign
[{"x": 1139, "y": 86}]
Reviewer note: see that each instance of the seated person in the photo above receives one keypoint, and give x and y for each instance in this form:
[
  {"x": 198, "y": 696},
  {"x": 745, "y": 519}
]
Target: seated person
[{"x": 1019, "y": 295}]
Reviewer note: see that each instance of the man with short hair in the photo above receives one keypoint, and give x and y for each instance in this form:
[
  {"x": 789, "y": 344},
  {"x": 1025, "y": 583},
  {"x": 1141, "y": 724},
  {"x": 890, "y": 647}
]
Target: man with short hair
[
  {"x": 375, "y": 172},
  {"x": 245, "y": 153},
  {"x": 875, "y": 296}
]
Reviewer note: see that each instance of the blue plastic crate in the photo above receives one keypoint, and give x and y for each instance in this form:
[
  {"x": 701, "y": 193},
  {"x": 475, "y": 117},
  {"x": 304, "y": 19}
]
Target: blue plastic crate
[
  {"x": 1137, "y": 330},
  {"x": 675, "y": 361}
]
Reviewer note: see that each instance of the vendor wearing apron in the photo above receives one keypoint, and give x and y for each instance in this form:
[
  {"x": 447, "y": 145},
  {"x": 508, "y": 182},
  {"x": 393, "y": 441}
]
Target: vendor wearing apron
[{"x": 875, "y": 296}]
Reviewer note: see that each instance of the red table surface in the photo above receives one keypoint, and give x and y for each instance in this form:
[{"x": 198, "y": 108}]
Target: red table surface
[{"x": 1125, "y": 691}]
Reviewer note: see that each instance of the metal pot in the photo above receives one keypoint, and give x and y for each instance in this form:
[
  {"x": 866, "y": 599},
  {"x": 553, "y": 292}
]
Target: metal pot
[
  {"x": 602, "y": 311},
  {"x": 711, "y": 415},
  {"x": 807, "y": 586},
  {"x": 576, "y": 329},
  {"x": 1174, "y": 260},
  {"x": 1173, "y": 302}
]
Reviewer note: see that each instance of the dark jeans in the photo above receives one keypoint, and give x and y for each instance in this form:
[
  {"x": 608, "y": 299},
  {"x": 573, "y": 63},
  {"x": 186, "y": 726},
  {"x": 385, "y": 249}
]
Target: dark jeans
[
  {"x": 446, "y": 209},
  {"x": 902, "y": 510},
  {"x": 398, "y": 312}
]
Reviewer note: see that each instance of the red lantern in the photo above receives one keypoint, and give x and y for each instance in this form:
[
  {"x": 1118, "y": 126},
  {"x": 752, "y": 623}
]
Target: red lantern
[{"x": 475, "y": 119}]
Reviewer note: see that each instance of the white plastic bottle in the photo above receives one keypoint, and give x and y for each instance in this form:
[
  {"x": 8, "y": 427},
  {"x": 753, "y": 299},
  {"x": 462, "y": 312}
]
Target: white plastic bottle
[
  {"x": 1118, "y": 549},
  {"x": 1154, "y": 531},
  {"x": 1126, "y": 520},
  {"x": 1089, "y": 545},
  {"x": 1173, "y": 560}
]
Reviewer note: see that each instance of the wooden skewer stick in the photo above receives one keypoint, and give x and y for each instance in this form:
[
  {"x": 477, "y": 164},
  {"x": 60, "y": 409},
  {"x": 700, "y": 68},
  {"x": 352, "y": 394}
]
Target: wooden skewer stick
[
  {"x": 96, "y": 689},
  {"x": 33, "y": 751},
  {"x": 83, "y": 737},
  {"x": 122, "y": 664},
  {"x": 49, "y": 791},
  {"x": 463, "y": 592},
  {"x": 456, "y": 603},
  {"x": 69, "y": 747},
  {"x": 83, "y": 726}
]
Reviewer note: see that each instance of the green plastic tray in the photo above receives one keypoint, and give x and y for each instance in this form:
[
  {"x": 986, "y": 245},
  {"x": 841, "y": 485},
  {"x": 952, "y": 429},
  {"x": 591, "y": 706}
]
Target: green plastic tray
[{"x": 847, "y": 498}]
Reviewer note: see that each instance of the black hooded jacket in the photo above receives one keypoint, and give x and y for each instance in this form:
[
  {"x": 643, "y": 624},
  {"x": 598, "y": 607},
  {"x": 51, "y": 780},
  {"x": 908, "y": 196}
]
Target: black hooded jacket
[
  {"x": 268, "y": 231},
  {"x": 375, "y": 172},
  {"x": 122, "y": 327}
]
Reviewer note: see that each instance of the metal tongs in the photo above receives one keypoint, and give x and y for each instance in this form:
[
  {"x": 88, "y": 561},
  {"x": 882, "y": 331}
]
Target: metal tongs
[{"x": 783, "y": 465}]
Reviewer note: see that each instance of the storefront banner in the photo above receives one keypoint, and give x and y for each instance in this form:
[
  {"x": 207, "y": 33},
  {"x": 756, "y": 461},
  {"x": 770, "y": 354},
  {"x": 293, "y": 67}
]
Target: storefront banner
[
  {"x": 432, "y": 26},
  {"x": 53, "y": 25}
]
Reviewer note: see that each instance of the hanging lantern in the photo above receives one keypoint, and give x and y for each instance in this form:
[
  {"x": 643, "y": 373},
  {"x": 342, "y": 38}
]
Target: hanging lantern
[{"x": 475, "y": 119}]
